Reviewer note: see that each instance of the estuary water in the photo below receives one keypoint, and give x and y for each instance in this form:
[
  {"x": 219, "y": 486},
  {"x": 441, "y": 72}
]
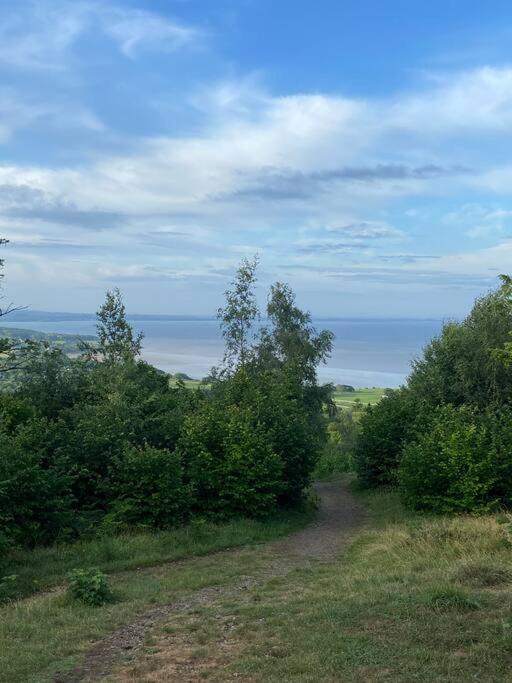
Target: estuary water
[{"x": 366, "y": 352}]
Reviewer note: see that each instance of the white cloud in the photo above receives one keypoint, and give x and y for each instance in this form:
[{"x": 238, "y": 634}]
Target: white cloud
[
  {"x": 469, "y": 100},
  {"x": 480, "y": 221},
  {"x": 340, "y": 163},
  {"x": 39, "y": 34},
  {"x": 134, "y": 30}
]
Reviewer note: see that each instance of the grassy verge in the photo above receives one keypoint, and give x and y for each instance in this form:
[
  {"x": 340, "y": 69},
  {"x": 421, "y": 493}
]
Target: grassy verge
[
  {"x": 47, "y": 633},
  {"x": 42, "y": 568},
  {"x": 415, "y": 599}
]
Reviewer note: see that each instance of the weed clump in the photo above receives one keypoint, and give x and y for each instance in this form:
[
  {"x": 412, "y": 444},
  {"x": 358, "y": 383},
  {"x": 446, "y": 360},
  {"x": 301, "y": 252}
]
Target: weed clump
[{"x": 89, "y": 586}]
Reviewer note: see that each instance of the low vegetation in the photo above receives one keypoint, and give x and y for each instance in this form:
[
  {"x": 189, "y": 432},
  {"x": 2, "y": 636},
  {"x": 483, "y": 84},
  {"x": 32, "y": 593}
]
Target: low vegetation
[
  {"x": 103, "y": 444},
  {"x": 445, "y": 438},
  {"x": 45, "y": 567},
  {"x": 416, "y": 598}
]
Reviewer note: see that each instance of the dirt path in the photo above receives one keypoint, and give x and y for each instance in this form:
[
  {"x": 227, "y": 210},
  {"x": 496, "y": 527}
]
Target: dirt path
[{"x": 321, "y": 541}]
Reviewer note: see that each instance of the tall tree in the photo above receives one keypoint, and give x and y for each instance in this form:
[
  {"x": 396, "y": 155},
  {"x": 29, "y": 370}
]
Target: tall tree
[
  {"x": 237, "y": 317},
  {"x": 117, "y": 343},
  {"x": 292, "y": 340}
]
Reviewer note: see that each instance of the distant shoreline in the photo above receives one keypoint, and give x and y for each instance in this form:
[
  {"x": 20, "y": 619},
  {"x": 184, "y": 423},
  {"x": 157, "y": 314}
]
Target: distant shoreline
[{"x": 63, "y": 316}]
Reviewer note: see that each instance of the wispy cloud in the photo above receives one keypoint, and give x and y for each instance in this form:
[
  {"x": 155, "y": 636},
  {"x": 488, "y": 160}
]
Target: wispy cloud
[{"x": 38, "y": 34}]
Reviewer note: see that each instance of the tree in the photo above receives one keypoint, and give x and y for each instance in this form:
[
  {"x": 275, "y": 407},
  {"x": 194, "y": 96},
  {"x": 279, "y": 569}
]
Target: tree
[
  {"x": 292, "y": 341},
  {"x": 116, "y": 341},
  {"x": 238, "y": 315}
]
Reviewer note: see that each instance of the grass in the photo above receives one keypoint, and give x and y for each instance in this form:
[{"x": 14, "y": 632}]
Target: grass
[
  {"x": 47, "y": 633},
  {"x": 346, "y": 399},
  {"x": 416, "y": 598},
  {"x": 341, "y": 398},
  {"x": 42, "y": 568}
]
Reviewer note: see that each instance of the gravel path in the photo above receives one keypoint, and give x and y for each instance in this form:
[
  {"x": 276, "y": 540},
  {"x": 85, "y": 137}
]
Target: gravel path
[{"x": 321, "y": 541}]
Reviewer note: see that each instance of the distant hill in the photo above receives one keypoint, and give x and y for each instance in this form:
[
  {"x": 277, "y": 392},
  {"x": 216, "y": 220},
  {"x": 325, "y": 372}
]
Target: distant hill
[
  {"x": 27, "y": 316},
  {"x": 67, "y": 342}
]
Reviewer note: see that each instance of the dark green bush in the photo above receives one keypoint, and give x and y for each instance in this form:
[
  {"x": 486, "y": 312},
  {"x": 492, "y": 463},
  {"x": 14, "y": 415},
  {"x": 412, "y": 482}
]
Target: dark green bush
[
  {"x": 103, "y": 442},
  {"x": 89, "y": 586},
  {"x": 147, "y": 489},
  {"x": 459, "y": 462},
  {"x": 35, "y": 492},
  {"x": 229, "y": 462},
  {"x": 385, "y": 428}
]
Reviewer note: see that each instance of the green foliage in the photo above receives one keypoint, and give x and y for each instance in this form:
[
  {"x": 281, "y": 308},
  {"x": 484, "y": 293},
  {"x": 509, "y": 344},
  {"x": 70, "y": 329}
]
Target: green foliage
[
  {"x": 449, "y": 430},
  {"x": 462, "y": 366},
  {"x": 105, "y": 442},
  {"x": 148, "y": 489},
  {"x": 238, "y": 315},
  {"x": 337, "y": 455},
  {"x": 7, "y": 586},
  {"x": 89, "y": 586},
  {"x": 229, "y": 461},
  {"x": 460, "y": 461},
  {"x": 384, "y": 429},
  {"x": 35, "y": 493},
  {"x": 116, "y": 342}
]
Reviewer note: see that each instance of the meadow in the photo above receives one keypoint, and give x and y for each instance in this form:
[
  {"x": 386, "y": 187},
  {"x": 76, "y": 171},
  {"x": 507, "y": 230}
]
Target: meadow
[
  {"x": 364, "y": 396},
  {"x": 415, "y": 598}
]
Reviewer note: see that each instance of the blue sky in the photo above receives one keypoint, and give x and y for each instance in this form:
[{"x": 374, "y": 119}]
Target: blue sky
[{"x": 362, "y": 149}]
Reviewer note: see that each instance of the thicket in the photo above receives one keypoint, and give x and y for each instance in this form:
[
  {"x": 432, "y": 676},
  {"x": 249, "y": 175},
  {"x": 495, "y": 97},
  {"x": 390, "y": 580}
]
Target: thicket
[
  {"x": 105, "y": 442},
  {"x": 446, "y": 437}
]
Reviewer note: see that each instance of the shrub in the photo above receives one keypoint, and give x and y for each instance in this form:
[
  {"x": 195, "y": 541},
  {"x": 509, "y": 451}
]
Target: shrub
[
  {"x": 35, "y": 495},
  {"x": 89, "y": 586},
  {"x": 230, "y": 462},
  {"x": 148, "y": 488},
  {"x": 8, "y": 587},
  {"x": 384, "y": 429},
  {"x": 460, "y": 463}
]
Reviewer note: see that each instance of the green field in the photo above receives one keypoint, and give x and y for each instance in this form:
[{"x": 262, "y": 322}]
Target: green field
[
  {"x": 347, "y": 399},
  {"x": 68, "y": 343},
  {"x": 343, "y": 399}
]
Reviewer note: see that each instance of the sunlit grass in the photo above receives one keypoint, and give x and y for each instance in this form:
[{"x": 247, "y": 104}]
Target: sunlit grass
[{"x": 416, "y": 598}]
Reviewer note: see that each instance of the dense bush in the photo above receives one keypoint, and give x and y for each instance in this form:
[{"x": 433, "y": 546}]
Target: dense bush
[
  {"x": 35, "y": 493},
  {"x": 385, "y": 427},
  {"x": 449, "y": 466},
  {"x": 460, "y": 462},
  {"x": 147, "y": 487},
  {"x": 105, "y": 441},
  {"x": 448, "y": 433},
  {"x": 229, "y": 461}
]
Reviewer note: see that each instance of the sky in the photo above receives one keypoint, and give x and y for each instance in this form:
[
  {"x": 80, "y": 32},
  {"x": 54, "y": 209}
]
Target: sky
[{"x": 362, "y": 149}]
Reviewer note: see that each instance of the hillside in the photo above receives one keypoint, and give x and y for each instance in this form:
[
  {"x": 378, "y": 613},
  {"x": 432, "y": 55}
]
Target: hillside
[{"x": 68, "y": 343}]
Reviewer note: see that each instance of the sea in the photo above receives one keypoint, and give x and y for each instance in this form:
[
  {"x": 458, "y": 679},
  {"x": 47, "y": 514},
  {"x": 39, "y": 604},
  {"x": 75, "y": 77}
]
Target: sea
[{"x": 366, "y": 352}]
